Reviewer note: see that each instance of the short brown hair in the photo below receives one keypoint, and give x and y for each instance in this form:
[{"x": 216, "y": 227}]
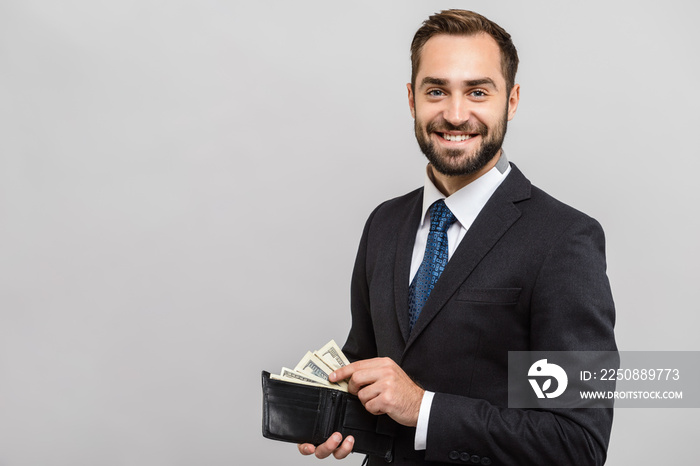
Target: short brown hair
[{"x": 465, "y": 23}]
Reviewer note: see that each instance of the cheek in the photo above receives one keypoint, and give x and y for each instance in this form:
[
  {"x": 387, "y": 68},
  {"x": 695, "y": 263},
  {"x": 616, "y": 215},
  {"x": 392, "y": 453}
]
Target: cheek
[
  {"x": 421, "y": 124},
  {"x": 426, "y": 113},
  {"x": 484, "y": 115},
  {"x": 492, "y": 120},
  {"x": 425, "y": 120}
]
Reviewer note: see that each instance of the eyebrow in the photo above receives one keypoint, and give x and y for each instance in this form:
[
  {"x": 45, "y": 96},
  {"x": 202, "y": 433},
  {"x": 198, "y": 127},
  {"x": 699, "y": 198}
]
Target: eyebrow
[{"x": 466, "y": 83}]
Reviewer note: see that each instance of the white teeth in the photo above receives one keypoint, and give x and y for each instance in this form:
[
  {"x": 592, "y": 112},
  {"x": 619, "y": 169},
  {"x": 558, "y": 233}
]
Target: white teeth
[{"x": 456, "y": 137}]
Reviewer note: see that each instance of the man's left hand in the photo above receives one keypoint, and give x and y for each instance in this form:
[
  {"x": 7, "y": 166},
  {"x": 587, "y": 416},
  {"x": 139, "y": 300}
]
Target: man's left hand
[{"x": 383, "y": 388}]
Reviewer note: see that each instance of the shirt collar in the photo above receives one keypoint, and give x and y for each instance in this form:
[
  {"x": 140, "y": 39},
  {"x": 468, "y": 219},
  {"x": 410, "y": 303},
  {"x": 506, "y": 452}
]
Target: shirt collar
[{"x": 466, "y": 203}]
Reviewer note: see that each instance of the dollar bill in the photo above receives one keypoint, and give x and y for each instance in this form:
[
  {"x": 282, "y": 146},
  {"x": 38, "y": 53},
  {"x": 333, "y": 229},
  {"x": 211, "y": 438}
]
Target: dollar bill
[
  {"x": 315, "y": 367},
  {"x": 329, "y": 361},
  {"x": 299, "y": 382},
  {"x": 289, "y": 375},
  {"x": 331, "y": 353}
]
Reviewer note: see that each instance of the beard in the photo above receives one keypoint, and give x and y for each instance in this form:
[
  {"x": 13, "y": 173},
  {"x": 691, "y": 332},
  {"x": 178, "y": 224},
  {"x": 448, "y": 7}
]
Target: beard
[{"x": 455, "y": 162}]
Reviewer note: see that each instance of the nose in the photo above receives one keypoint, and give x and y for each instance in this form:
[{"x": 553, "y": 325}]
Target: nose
[{"x": 457, "y": 110}]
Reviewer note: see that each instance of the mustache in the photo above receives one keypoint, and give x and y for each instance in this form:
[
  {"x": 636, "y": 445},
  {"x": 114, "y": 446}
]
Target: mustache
[{"x": 443, "y": 126}]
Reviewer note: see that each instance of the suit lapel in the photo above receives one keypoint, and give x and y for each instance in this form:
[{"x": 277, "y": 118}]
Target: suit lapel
[
  {"x": 406, "y": 238},
  {"x": 493, "y": 221}
]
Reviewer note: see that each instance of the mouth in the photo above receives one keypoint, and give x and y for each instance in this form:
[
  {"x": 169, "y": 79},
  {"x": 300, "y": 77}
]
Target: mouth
[{"x": 456, "y": 137}]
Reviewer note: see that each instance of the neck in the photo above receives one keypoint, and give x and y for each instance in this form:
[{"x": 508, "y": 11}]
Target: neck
[{"x": 448, "y": 185}]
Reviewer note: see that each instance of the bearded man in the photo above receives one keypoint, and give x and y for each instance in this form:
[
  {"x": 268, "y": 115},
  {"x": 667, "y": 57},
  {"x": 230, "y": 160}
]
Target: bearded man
[{"x": 476, "y": 263}]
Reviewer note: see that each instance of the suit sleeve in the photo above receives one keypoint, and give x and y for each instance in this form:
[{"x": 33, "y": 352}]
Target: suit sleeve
[
  {"x": 571, "y": 309},
  {"x": 361, "y": 343}
]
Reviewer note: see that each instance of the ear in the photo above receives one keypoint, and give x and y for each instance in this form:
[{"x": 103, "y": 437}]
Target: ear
[
  {"x": 513, "y": 101},
  {"x": 411, "y": 101}
]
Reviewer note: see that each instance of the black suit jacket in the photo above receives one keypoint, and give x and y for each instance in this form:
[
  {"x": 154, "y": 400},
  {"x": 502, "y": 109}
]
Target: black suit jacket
[{"x": 529, "y": 275}]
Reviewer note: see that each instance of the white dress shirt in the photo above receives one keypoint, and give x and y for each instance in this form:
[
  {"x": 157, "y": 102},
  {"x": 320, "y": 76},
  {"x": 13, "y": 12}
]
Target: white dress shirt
[{"x": 465, "y": 204}]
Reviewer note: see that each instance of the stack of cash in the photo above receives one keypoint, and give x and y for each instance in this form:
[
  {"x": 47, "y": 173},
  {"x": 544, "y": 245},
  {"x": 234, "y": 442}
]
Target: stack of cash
[{"x": 315, "y": 367}]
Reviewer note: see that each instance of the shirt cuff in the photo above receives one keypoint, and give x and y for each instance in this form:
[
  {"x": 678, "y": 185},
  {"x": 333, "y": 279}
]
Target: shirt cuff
[{"x": 421, "y": 440}]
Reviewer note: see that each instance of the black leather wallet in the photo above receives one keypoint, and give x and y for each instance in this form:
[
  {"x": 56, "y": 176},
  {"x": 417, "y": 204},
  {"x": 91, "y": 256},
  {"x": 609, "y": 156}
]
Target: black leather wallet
[{"x": 306, "y": 414}]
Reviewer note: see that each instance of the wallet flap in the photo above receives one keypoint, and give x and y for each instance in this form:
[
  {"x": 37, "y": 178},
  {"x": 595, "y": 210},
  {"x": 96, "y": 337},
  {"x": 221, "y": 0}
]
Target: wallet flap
[
  {"x": 357, "y": 417},
  {"x": 306, "y": 414},
  {"x": 289, "y": 413}
]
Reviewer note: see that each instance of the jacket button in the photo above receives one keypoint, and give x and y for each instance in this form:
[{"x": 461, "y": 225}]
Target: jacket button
[
  {"x": 476, "y": 459},
  {"x": 454, "y": 455},
  {"x": 464, "y": 457},
  {"x": 485, "y": 461}
]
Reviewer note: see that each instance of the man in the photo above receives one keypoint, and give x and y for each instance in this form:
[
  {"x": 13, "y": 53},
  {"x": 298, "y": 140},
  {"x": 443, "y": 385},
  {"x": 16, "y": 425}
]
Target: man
[{"x": 478, "y": 262}]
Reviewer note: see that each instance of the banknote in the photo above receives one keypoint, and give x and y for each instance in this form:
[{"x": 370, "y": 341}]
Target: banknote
[
  {"x": 290, "y": 376},
  {"x": 332, "y": 354},
  {"x": 315, "y": 367}
]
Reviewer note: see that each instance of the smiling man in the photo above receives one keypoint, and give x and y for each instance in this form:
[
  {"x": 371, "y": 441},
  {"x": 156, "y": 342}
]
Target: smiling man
[
  {"x": 461, "y": 106},
  {"x": 476, "y": 263}
]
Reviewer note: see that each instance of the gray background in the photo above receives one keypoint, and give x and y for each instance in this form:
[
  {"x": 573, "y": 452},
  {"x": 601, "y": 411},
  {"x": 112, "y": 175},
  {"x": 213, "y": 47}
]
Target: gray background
[{"x": 183, "y": 185}]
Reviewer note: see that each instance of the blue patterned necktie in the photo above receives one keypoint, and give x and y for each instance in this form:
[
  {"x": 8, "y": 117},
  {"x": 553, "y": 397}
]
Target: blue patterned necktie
[{"x": 434, "y": 260}]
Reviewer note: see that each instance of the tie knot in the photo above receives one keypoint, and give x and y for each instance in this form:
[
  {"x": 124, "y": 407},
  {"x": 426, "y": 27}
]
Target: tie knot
[{"x": 441, "y": 218}]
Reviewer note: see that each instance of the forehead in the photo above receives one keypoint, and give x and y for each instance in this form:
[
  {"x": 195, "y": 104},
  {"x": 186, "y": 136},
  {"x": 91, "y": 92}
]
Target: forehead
[{"x": 460, "y": 58}]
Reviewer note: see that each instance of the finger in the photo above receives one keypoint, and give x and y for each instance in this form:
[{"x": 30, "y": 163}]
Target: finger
[
  {"x": 368, "y": 393},
  {"x": 373, "y": 398},
  {"x": 306, "y": 448},
  {"x": 364, "y": 364},
  {"x": 344, "y": 372},
  {"x": 376, "y": 406},
  {"x": 345, "y": 448},
  {"x": 363, "y": 379},
  {"x": 329, "y": 446}
]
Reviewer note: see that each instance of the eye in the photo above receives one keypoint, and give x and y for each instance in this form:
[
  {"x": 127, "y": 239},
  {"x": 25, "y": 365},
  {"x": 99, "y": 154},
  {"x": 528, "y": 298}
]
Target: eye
[
  {"x": 478, "y": 93},
  {"x": 435, "y": 93}
]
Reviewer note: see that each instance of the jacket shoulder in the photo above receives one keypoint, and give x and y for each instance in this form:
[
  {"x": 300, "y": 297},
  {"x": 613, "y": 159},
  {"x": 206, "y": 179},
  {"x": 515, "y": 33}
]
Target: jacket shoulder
[
  {"x": 550, "y": 210},
  {"x": 536, "y": 202}
]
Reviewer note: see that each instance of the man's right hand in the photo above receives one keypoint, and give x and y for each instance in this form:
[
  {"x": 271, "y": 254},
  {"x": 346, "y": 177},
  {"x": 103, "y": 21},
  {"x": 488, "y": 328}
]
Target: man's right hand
[{"x": 331, "y": 446}]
